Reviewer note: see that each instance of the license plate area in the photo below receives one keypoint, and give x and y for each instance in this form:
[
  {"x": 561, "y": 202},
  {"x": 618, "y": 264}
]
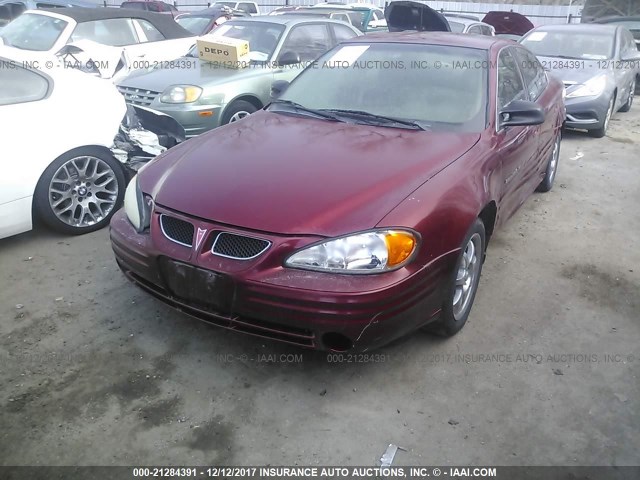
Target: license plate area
[{"x": 203, "y": 288}]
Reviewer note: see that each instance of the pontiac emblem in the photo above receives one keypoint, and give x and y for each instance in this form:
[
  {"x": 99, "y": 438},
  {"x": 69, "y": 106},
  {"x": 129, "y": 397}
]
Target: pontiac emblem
[{"x": 200, "y": 237}]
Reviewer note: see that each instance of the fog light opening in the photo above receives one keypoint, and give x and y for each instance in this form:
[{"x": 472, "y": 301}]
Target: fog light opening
[{"x": 336, "y": 342}]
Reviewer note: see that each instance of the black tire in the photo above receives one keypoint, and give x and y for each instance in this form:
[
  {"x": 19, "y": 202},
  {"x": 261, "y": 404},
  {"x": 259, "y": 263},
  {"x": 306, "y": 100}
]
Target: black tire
[
  {"x": 602, "y": 131},
  {"x": 627, "y": 106},
  {"x": 95, "y": 200},
  {"x": 552, "y": 166},
  {"x": 236, "y": 108},
  {"x": 449, "y": 323}
]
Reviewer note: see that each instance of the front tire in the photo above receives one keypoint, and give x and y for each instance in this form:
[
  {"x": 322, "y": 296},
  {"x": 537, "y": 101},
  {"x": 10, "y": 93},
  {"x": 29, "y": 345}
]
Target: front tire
[
  {"x": 80, "y": 191},
  {"x": 237, "y": 111},
  {"x": 627, "y": 106},
  {"x": 463, "y": 284},
  {"x": 601, "y": 132},
  {"x": 552, "y": 166}
]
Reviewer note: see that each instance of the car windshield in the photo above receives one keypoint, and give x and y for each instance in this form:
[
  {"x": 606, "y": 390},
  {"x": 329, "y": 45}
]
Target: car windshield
[
  {"x": 456, "y": 26},
  {"x": 227, "y": 4},
  {"x": 32, "y": 31},
  {"x": 570, "y": 44},
  {"x": 196, "y": 25},
  {"x": 263, "y": 37},
  {"x": 432, "y": 85}
]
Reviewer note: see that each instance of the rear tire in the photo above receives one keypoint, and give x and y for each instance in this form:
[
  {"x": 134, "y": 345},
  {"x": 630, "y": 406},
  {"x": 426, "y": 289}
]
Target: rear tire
[
  {"x": 80, "y": 191},
  {"x": 552, "y": 166},
  {"x": 463, "y": 284}
]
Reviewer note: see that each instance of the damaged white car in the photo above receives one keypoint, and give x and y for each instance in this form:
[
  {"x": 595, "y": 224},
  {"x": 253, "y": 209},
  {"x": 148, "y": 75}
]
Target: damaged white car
[
  {"x": 109, "y": 42},
  {"x": 69, "y": 144}
]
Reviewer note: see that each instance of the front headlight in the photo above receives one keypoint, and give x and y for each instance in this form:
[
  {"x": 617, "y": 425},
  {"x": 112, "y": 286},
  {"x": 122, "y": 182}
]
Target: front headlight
[
  {"x": 137, "y": 206},
  {"x": 181, "y": 94},
  {"x": 591, "y": 88},
  {"x": 369, "y": 252}
]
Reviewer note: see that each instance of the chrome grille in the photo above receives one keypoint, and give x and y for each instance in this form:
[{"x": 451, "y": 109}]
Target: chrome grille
[
  {"x": 138, "y": 96},
  {"x": 176, "y": 230},
  {"x": 239, "y": 247}
]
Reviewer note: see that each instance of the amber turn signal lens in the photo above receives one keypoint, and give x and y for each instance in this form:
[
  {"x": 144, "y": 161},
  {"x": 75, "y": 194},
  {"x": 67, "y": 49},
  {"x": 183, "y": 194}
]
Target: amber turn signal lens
[
  {"x": 206, "y": 113},
  {"x": 400, "y": 246}
]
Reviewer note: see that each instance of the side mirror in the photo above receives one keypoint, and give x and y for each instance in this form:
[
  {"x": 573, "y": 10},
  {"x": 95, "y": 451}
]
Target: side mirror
[
  {"x": 520, "y": 113},
  {"x": 278, "y": 87},
  {"x": 288, "y": 58},
  {"x": 631, "y": 57}
]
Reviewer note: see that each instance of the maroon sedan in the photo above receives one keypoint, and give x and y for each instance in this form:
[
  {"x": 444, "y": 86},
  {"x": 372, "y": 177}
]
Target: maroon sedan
[{"x": 358, "y": 205}]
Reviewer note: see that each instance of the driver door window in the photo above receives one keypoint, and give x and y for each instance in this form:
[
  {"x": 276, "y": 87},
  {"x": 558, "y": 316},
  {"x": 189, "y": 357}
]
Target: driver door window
[{"x": 510, "y": 85}]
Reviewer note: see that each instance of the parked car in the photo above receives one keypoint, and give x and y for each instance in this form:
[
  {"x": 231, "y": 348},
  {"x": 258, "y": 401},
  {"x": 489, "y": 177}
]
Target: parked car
[
  {"x": 203, "y": 21},
  {"x": 407, "y": 15},
  {"x": 110, "y": 36},
  {"x": 347, "y": 213},
  {"x": 630, "y": 23},
  {"x": 207, "y": 95},
  {"x": 510, "y": 25},
  {"x": 248, "y": 7},
  {"x": 363, "y": 18},
  {"x": 12, "y": 9},
  {"x": 598, "y": 65},
  {"x": 461, "y": 23},
  {"x": 151, "y": 6},
  {"x": 69, "y": 142}
]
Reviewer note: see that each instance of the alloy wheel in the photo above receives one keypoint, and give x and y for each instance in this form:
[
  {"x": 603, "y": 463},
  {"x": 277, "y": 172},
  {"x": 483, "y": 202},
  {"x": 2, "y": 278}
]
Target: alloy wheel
[
  {"x": 83, "y": 191},
  {"x": 238, "y": 116},
  {"x": 553, "y": 165},
  {"x": 467, "y": 276}
]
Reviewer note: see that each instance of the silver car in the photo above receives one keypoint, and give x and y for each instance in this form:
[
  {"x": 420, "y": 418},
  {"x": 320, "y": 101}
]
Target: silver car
[
  {"x": 598, "y": 64},
  {"x": 201, "y": 95}
]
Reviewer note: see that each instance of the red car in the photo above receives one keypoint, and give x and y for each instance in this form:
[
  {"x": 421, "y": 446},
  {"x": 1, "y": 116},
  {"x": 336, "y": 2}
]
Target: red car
[{"x": 358, "y": 205}]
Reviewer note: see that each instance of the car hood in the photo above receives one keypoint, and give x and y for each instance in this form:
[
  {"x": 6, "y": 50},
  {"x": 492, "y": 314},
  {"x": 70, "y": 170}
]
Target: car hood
[
  {"x": 508, "y": 22},
  {"x": 572, "y": 75},
  {"x": 197, "y": 73},
  {"x": 285, "y": 174},
  {"x": 416, "y": 16}
]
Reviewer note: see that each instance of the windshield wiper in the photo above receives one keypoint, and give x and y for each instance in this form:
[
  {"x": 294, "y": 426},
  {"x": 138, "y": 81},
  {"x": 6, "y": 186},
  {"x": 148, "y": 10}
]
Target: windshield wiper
[
  {"x": 301, "y": 108},
  {"x": 378, "y": 119}
]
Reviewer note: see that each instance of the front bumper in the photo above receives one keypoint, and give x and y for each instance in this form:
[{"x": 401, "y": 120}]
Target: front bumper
[
  {"x": 587, "y": 113},
  {"x": 260, "y": 297},
  {"x": 195, "y": 119}
]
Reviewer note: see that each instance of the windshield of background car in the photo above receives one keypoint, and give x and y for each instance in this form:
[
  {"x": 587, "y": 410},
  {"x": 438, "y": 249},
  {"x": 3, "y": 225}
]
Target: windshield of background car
[
  {"x": 570, "y": 44},
  {"x": 263, "y": 37},
  {"x": 227, "y": 4},
  {"x": 133, "y": 5},
  {"x": 31, "y": 31},
  {"x": 196, "y": 25},
  {"x": 456, "y": 27},
  {"x": 443, "y": 87}
]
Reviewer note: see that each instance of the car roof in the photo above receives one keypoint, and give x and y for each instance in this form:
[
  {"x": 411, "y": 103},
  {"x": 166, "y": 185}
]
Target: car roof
[
  {"x": 579, "y": 28},
  {"x": 164, "y": 23},
  {"x": 615, "y": 19},
  {"x": 283, "y": 19},
  {"x": 463, "y": 20},
  {"x": 481, "y": 42}
]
